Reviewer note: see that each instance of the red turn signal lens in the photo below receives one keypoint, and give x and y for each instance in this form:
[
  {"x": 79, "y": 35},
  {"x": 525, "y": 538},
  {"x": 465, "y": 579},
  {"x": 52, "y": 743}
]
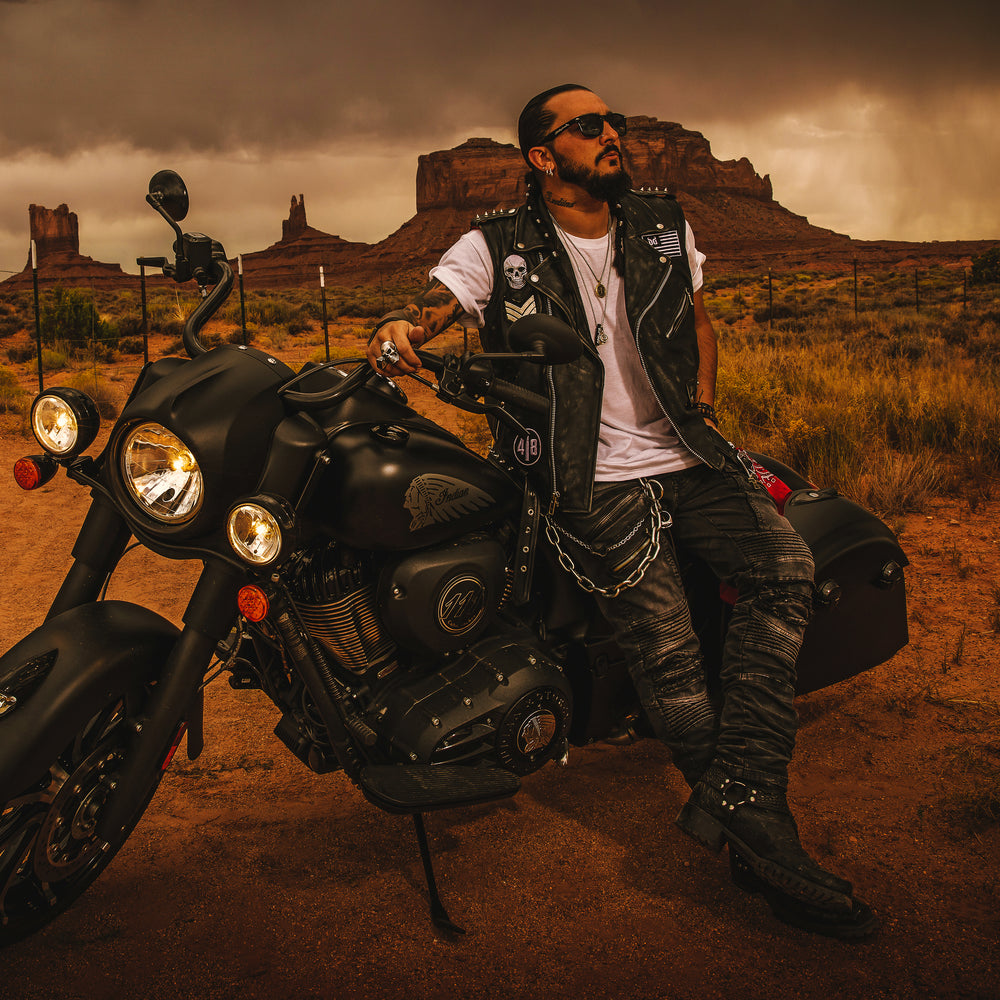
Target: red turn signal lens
[
  {"x": 253, "y": 603},
  {"x": 34, "y": 471}
]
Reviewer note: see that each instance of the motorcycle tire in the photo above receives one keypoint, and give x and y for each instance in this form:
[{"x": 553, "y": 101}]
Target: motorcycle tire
[{"x": 50, "y": 851}]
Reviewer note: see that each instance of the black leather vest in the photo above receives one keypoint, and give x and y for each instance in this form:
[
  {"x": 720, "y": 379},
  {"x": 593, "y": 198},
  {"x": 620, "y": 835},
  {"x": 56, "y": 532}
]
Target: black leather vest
[{"x": 533, "y": 274}]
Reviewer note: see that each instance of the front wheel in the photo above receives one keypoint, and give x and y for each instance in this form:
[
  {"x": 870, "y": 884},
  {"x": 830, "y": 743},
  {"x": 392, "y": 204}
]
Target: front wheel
[{"x": 49, "y": 848}]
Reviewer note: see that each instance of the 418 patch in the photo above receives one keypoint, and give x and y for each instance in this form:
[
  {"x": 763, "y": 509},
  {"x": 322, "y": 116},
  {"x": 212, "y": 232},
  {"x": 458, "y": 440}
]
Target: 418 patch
[{"x": 528, "y": 448}]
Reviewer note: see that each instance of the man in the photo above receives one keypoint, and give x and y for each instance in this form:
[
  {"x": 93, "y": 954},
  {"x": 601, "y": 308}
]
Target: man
[{"x": 632, "y": 432}]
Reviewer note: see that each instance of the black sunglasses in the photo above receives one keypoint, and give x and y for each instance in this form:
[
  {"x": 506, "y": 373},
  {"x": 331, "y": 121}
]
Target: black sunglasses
[{"x": 591, "y": 125}]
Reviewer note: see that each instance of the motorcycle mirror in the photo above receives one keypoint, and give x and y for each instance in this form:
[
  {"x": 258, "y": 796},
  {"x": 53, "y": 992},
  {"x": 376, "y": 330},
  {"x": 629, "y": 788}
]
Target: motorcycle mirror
[
  {"x": 550, "y": 339},
  {"x": 168, "y": 193}
]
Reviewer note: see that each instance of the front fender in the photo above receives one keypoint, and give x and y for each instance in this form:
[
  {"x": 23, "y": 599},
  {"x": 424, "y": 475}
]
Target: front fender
[{"x": 64, "y": 672}]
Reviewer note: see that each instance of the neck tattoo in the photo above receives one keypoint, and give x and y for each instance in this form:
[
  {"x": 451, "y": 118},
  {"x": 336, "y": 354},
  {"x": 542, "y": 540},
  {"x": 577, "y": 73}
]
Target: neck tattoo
[{"x": 562, "y": 202}]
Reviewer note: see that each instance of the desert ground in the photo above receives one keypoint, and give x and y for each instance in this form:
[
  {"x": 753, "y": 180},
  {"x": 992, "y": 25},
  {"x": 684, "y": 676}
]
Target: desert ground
[{"x": 249, "y": 876}]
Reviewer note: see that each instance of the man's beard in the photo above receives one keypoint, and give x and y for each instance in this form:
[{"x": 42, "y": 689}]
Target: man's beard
[{"x": 602, "y": 187}]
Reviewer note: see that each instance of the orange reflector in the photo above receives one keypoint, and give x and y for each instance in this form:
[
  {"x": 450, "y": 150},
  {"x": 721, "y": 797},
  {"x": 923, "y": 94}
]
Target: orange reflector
[
  {"x": 181, "y": 730},
  {"x": 253, "y": 603},
  {"x": 34, "y": 471}
]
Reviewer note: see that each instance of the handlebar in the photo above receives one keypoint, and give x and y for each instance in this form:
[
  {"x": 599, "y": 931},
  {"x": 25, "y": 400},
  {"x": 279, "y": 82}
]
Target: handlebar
[
  {"x": 207, "y": 308},
  {"x": 509, "y": 392}
]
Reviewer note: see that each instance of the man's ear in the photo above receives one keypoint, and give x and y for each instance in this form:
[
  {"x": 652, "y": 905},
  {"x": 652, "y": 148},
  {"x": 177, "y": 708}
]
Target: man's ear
[{"x": 540, "y": 157}]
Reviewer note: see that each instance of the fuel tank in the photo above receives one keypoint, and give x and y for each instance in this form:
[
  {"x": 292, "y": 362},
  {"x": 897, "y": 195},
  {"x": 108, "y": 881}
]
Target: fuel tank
[
  {"x": 397, "y": 480},
  {"x": 406, "y": 483}
]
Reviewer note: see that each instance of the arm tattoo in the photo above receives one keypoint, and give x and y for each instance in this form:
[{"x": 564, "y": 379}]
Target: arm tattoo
[{"x": 435, "y": 308}]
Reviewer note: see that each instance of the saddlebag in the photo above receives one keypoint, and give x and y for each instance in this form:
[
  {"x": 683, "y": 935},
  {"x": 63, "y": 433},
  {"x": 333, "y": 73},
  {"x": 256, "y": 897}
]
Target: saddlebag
[{"x": 860, "y": 607}]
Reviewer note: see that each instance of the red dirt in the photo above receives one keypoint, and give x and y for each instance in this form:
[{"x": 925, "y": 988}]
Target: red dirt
[{"x": 250, "y": 876}]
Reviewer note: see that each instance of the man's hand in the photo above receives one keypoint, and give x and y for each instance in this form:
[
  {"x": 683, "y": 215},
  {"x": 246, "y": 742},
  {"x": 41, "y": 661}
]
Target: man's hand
[
  {"x": 405, "y": 337},
  {"x": 434, "y": 310}
]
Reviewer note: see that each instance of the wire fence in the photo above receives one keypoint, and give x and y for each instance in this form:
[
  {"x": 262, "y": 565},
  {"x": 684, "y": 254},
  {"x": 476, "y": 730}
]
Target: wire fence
[{"x": 52, "y": 328}]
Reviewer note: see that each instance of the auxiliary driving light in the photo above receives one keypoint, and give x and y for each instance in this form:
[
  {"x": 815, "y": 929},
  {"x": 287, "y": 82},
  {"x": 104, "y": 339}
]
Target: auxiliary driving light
[
  {"x": 254, "y": 528},
  {"x": 64, "y": 421}
]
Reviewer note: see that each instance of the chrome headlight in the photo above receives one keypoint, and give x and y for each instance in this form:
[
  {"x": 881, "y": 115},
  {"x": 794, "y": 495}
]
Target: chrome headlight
[
  {"x": 254, "y": 533},
  {"x": 64, "y": 421},
  {"x": 161, "y": 473}
]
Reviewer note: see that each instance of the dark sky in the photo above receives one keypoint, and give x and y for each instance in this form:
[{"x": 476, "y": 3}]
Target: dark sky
[{"x": 872, "y": 118}]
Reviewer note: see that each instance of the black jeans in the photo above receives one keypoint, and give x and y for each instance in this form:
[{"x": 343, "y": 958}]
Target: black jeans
[{"x": 730, "y": 522}]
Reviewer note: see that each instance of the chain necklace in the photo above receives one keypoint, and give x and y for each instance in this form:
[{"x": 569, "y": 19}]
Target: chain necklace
[{"x": 600, "y": 289}]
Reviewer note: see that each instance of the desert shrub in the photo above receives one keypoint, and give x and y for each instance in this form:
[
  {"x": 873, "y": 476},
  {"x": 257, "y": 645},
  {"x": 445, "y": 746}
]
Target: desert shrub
[
  {"x": 53, "y": 361},
  {"x": 296, "y": 327},
  {"x": 13, "y": 399},
  {"x": 986, "y": 267},
  {"x": 10, "y": 324},
  {"x": 130, "y": 345},
  {"x": 130, "y": 327},
  {"x": 70, "y": 316},
  {"x": 18, "y": 354}
]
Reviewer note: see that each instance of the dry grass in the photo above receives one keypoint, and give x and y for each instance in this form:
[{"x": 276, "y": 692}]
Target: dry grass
[{"x": 890, "y": 404}]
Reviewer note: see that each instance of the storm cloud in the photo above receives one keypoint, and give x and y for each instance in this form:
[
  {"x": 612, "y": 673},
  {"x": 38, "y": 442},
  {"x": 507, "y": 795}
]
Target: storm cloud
[{"x": 871, "y": 119}]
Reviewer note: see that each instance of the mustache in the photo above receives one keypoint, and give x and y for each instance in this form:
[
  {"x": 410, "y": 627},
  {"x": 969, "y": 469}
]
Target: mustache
[{"x": 611, "y": 151}]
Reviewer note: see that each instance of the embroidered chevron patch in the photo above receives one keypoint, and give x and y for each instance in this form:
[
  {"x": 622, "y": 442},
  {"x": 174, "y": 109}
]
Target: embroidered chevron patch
[
  {"x": 668, "y": 243},
  {"x": 515, "y": 312}
]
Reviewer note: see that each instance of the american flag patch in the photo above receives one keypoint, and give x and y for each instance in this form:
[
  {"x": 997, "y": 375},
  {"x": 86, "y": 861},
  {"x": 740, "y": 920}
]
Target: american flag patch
[{"x": 668, "y": 243}]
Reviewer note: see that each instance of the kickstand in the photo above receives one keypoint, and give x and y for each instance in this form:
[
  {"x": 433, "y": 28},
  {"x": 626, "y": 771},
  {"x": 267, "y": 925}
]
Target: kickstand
[{"x": 439, "y": 915}]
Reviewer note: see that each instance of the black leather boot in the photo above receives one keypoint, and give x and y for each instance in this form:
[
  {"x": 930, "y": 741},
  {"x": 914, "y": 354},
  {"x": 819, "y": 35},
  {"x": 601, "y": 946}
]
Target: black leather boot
[
  {"x": 749, "y": 811},
  {"x": 860, "y": 923}
]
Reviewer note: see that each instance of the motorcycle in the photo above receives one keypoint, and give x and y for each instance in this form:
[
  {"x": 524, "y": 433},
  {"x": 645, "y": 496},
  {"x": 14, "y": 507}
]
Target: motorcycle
[{"x": 385, "y": 586}]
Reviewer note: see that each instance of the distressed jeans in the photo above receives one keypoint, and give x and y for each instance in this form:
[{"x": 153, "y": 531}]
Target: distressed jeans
[{"x": 730, "y": 522}]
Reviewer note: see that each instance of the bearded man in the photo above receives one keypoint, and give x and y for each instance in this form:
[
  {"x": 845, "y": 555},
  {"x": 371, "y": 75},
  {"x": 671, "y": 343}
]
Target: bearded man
[{"x": 632, "y": 433}]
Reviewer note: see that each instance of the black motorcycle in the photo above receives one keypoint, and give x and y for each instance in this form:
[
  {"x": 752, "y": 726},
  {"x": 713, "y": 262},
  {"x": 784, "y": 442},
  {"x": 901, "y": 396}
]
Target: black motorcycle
[{"x": 386, "y": 587}]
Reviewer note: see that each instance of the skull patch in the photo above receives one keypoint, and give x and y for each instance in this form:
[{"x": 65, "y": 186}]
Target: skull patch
[{"x": 515, "y": 269}]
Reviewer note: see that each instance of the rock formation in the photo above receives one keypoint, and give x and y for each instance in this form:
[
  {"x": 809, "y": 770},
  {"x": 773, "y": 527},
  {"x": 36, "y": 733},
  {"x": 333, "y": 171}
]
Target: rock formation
[
  {"x": 295, "y": 225},
  {"x": 730, "y": 207},
  {"x": 297, "y": 257},
  {"x": 54, "y": 230},
  {"x": 56, "y": 235}
]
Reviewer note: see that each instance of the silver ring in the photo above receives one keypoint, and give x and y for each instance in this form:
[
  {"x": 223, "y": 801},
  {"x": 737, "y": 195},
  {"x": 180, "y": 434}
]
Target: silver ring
[{"x": 390, "y": 355}]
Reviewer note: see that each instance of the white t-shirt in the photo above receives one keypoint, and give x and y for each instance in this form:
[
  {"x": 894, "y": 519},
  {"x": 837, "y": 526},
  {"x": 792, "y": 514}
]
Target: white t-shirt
[{"x": 636, "y": 437}]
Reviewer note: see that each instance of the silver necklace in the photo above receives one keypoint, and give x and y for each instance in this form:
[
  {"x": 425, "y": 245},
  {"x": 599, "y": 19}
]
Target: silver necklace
[{"x": 600, "y": 289}]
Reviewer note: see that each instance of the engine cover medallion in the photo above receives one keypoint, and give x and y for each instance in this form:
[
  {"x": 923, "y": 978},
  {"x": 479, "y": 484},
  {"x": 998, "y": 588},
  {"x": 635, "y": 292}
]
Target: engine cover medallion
[
  {"x": 462, "y": 604},
  {"x": 532, "y": 729}
]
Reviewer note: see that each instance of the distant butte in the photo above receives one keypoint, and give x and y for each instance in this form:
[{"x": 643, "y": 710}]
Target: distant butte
[{"x": 731, "y": 209}]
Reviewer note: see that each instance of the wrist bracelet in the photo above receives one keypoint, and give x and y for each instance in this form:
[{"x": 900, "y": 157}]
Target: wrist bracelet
[{"x": 707, "y": 410}]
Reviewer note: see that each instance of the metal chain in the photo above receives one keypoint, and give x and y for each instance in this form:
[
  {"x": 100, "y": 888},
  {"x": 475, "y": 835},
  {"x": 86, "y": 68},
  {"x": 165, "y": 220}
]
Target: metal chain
[{"x": 658, "y": 520}]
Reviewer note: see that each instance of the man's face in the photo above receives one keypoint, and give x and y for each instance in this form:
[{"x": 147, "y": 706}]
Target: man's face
[{"x": 596, "y": 165}]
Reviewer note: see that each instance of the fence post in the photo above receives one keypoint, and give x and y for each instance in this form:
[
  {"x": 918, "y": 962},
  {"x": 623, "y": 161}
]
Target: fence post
[
  {"x": 38, "y": 318},
  {"x": 243, "y": 302},
  {"x": 326, "y": 325},
  {"x": 145, "y": 315}
]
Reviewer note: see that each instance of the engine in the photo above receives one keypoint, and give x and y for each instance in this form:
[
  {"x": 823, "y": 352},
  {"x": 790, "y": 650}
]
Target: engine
[{"x": 418, "y": 633}]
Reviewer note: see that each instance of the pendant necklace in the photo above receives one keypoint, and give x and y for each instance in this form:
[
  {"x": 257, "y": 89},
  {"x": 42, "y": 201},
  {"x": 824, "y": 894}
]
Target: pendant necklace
[{"x": 600, "y": 289}]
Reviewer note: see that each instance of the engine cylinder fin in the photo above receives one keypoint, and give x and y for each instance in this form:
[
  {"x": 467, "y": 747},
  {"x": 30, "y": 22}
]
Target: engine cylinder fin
[{"x": 350, "y": 629}]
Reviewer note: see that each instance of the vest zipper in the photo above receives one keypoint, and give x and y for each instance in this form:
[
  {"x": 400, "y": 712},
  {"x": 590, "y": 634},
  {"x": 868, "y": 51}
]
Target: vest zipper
[{"x": 686, "y": 303}]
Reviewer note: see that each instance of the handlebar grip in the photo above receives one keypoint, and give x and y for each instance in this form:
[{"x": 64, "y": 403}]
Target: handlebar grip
[{"x": 508, "y": 392}]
